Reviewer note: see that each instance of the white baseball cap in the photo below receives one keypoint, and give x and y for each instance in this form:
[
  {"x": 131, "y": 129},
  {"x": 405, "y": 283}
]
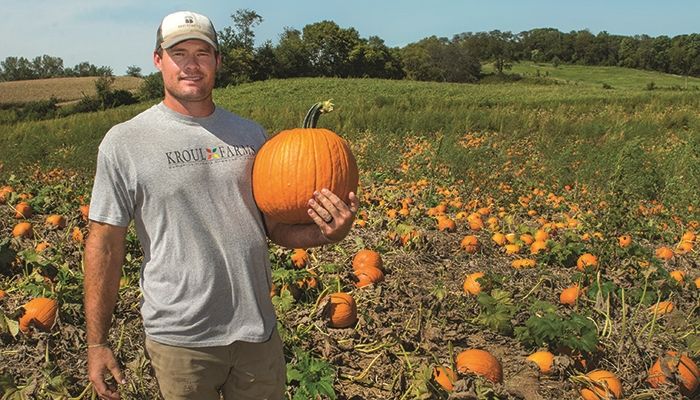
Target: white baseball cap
[{"x": 184, "y": 25}]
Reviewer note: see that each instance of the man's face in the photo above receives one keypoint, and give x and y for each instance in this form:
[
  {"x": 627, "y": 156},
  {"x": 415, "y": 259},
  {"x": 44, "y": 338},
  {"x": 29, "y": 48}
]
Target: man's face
[{"x": 188, "y": 69}]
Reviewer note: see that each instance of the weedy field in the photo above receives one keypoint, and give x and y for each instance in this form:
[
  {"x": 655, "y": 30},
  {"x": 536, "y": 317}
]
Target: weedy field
[
  {"x": 63, "y": 89},
  {"x": 522, "y": 240}
]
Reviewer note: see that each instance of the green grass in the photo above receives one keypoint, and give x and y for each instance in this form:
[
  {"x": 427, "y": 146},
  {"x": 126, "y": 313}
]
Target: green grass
[
  {"x": 632, "y": 142},
  {"x": 616, "y": 77}
]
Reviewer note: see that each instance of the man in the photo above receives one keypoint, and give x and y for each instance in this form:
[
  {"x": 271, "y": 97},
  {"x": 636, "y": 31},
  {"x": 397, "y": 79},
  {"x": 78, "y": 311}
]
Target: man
[{"x": 181, "y": 171}]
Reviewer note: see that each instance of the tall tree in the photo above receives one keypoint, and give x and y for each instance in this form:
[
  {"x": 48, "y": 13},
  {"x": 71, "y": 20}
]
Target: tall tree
[
  {"x": 373, "y": 59},
  {"x": 293, "y": 59},
  {"x": 329, "y": 46},
  {"x": 236, "y": 45}
]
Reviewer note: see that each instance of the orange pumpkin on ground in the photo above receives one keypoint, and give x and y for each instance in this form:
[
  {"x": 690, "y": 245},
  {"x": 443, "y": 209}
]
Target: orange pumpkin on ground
[
  {"x": 368, "y": 275},
  {"x": 299, "y": 258},
  {"x": 678, "y": 276},
  {"x": 56, "y": 221},
  {"x": 681, "y": 366},
  {"x": 537, "y": 247},
  {"x": 41, "y": 312},
  {"x": 624, "y": 240},
  {"x": 684, "y": 247},
  {"x": 2, "y": 294},
  {"x": 512, "y": 249},
  {"x": 586, "y": 260},
  {"x": 544, "y": 361},
  {"x": 445, "y": 377},
  {"x": 688, "y": 236},
  {"x": 77, "y": 235},
  {"x": 367, "y": 258},
  {"x": 499, "y": 238},
  {"x": 41, "y": 246},
  {"x": 471, "y": 285},
  {"x": 23, "y": 229},
  {"x": 85, "y": 211},
  {"x": 541, "y": 235},
  {"x": 569, "y": 295},
  {"x": 523, "y": 263},
  {"x": 446, "y": 224},
  {"x": 470, "y": 244},
  {"x": 664, "y": 253},
  {"x": 480, "y": 362},
  {"x": 342, "y": 310},
  {"x": 23, "y": 210},
  {"x": 5, "y": 193},
  {"x": 664, "y": 307},
  {"x": 295, "y": 163},
  {"x": 527, "y": 239},
  {"x": 603, "y": 385}
]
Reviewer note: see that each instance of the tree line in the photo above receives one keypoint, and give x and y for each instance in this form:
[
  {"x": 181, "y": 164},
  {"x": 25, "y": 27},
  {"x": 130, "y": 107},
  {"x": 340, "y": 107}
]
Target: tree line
[
  {"x": 326, "y": 49},
  {"x": 46, "y": 66}
]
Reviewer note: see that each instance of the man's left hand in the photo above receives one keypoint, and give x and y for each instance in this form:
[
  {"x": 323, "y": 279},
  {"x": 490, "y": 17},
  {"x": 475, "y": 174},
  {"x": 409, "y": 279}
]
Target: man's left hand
[{"x": 333, "y": 217}]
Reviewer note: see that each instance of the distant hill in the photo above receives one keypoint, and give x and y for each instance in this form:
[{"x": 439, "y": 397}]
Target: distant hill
[
  {"x": 614, "y": 77},
  {"x": 64, "y": 89}
]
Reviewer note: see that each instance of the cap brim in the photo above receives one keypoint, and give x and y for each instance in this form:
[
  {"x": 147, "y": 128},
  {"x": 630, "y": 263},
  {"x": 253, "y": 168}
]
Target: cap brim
[{"x": 172, "y": 41}]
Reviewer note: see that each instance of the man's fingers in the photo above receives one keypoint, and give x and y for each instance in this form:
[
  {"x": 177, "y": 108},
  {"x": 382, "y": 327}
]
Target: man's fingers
[
  {"x": 318, "y": 220},
  {"x": 117, "y": 373},
  {"x": 321, "y": 211},
  {"x": 354, "y": 203}
]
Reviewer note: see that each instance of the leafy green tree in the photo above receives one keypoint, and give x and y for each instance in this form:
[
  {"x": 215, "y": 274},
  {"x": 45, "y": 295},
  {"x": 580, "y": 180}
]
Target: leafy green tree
[
  {"x": 17, "y": 68},
  {"x": 373, "y": 59},
  {"x": 439, "y": 59},
  {"x": 292, "y": 56},
  {"x": 627, "y": 53},
  {"x": 419, "y": 60},
  {"x": 685, "y": 55},
  {"x": 236, "y": 45},
  {"x": 329, "y": 47},
  {"x": 502, "y": 50},
  {"x": 264, "y": 62},
  {"x": 47, "y": 67},
  {"x": 133, "y": 70},
  {"x": 151, "y": 87}
]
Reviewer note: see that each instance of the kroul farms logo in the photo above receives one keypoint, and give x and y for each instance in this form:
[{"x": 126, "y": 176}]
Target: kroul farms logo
[{"x": 207, "y": 155}]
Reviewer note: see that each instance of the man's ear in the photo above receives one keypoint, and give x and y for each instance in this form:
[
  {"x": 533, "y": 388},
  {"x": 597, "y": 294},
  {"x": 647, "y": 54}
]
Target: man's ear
[
  {"x": 218, "y": 60},
  {"x": 158, "y": 59}
]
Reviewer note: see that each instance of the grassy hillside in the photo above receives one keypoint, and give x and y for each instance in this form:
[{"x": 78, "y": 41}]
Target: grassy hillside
[
  {"x": 615, "y": 77},
  {"x": 64, "y": 89},
  {"x": 642, "y": 142}
]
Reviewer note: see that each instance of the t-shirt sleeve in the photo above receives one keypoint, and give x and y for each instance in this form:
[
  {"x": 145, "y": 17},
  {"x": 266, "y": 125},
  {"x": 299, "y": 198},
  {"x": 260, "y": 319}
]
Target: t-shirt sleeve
[{"x": 110, "y": 202}]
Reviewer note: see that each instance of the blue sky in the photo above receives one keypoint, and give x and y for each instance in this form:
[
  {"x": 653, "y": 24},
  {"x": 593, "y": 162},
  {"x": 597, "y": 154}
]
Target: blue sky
[{"x": 119, "y": 33}]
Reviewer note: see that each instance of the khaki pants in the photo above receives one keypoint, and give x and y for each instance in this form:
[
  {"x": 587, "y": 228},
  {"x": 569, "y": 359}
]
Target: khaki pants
[{"x": 240, "y": 371}]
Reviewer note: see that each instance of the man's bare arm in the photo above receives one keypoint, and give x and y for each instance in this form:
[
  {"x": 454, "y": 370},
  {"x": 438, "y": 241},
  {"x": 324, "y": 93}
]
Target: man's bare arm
[{"x": 104, "y": 255}]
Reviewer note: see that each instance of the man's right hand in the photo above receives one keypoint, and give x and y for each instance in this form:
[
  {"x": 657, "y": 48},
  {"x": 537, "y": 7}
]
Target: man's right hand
[{"x": 101, "y": 363}]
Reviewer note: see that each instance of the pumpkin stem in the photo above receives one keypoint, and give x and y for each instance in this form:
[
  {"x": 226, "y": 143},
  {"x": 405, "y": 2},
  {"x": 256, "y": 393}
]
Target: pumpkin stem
[{"x": 315, "y": 111}]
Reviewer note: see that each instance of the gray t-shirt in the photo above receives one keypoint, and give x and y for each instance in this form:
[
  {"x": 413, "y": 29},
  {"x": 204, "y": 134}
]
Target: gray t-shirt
[{"x": 186, "y": 183}]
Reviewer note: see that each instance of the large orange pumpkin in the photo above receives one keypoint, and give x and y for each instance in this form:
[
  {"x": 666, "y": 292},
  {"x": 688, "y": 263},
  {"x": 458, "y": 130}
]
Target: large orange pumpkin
[
  {"x": 41, "y": 312},
  {"x": 681, "y": 366},
  {"x": 544, "y": 361},
  {"x": 603, "y": 385},
  {"x": 295, "y": 163},
  {"x": 342, "y": 310},
  {"x": 367, "y": 258},
  {"x": 480, "y": 362},
  {"x": 367, "y": 276}
]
